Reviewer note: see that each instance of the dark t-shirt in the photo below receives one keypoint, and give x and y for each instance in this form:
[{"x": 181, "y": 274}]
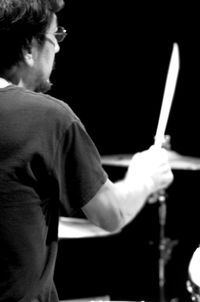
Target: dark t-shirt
[{"x": 46, "y": 159}]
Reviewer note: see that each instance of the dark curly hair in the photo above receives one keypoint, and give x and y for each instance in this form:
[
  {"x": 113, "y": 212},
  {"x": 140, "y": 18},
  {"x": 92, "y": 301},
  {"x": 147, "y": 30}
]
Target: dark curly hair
[{"x": 20, "y": 22}]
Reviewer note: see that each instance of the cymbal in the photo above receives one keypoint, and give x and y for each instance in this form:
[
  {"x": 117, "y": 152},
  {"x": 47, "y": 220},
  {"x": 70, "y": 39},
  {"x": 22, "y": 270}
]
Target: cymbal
[
  {"x": 79, "y": 228},
  {"x": 176, "y": 160}
]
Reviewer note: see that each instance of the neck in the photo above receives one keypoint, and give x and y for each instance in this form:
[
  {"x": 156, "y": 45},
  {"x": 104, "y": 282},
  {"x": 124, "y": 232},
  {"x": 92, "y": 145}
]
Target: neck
[{"x": 4, "y": 83}]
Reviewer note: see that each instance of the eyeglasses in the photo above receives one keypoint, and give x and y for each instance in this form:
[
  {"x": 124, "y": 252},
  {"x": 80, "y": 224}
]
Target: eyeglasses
[{"x": 60, "y": 35}]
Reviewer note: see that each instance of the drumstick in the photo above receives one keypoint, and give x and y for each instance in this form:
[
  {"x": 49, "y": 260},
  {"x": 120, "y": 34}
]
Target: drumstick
[{"x": 169, "y": 90}]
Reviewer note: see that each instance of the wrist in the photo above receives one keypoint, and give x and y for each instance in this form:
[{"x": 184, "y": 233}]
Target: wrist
[{"x": 149, "y": 185}]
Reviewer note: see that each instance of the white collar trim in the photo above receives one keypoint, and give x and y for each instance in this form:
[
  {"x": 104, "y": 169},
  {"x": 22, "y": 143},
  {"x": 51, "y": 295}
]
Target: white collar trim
[{"x": 4, "y": 83}]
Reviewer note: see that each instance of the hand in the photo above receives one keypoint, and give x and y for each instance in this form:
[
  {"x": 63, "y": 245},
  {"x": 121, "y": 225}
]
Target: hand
[{"x": 151, "y": 169}]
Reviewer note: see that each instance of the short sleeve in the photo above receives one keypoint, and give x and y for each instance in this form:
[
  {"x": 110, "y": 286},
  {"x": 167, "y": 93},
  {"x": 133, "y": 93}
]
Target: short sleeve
[{"x": 78, "y": 168}]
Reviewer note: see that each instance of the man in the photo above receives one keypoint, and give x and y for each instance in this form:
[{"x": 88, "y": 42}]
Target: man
[{"x": 47, "y": 158}]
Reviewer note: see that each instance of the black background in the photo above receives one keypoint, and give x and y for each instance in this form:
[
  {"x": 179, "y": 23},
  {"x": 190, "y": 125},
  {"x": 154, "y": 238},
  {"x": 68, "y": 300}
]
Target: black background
[{"x": 118, "y": 66}]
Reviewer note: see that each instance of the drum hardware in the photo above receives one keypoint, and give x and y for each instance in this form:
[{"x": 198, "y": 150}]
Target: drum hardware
[
  {"x": 193, "y": 282},
  {"x": 194, "y": 290},
  {"x": 165, "y": 246}
]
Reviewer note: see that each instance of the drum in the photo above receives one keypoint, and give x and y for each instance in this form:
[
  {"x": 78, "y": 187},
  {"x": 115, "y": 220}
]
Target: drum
[{"x": 193, "y": 282}]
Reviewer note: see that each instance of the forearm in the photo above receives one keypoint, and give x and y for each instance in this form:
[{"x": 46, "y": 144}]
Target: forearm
[
  {"x": 148, "y": 173},
  {"x": 130, "y": 199},
  {"x": 115, "y": 204}
]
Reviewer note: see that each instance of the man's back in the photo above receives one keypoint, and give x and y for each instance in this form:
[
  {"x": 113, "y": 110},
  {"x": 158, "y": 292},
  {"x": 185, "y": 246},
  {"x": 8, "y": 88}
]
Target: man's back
[
  {"x": 46, "y": 158},
  {"x": 28, "y": 196}
]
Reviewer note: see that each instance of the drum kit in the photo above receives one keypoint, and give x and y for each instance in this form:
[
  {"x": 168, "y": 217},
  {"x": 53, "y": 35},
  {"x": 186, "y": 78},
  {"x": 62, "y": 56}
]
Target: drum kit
[
  {"x": 177, "y": 162},
  {"x": 193, "y": 283},
  {"x": 74, "y": 228},
  {"x": 82, "y": 228}
]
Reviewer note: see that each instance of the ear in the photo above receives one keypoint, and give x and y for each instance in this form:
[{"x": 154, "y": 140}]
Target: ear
[
  {"x": 30, "y": 54},
  {"x": 29, "y": 58}
]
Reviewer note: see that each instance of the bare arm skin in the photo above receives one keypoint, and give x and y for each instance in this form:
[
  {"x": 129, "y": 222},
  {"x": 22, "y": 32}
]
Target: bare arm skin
[{"x": 117, "y": 204}]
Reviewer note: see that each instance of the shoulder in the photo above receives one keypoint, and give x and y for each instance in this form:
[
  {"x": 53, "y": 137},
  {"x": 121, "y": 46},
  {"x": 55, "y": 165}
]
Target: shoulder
[
  {"x": 44, "y": 106},
  {"x": 51, "y": 104}
]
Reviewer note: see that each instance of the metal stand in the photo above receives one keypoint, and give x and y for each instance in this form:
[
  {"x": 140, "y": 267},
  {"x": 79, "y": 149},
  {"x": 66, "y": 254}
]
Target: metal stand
[
  {"x": 162, "y": 246},
  {"x": 165, "y": 246}
]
